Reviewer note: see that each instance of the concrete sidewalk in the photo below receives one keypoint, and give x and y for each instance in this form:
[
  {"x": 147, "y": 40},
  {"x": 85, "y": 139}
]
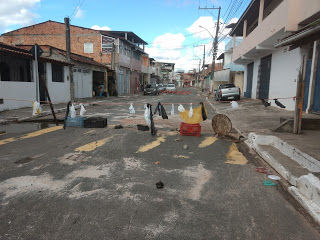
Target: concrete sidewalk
[{"x": 295, "y": 157}]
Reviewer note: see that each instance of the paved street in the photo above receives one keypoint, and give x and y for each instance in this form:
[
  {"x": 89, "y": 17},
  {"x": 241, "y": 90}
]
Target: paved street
[{"x": 82, "y": 183}]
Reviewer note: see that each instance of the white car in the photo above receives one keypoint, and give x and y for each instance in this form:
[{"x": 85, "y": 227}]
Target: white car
[{"x": 171, "y": 87}]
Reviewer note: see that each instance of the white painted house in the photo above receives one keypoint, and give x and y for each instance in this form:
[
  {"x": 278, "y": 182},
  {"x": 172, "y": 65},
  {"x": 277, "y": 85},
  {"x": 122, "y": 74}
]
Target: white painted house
[
  {"x": 271, "y": 69},
  {"x": 18, "y": 84}
]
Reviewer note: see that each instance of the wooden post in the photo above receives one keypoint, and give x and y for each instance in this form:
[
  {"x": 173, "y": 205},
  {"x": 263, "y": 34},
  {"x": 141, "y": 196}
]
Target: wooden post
[
  {"x": 47, "y": 92},
  {"x": 68, "y": 54},
  {"x": 299, "y": 99}
]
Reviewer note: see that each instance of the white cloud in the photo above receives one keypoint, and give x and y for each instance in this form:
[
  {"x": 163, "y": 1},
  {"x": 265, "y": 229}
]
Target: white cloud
[
  {"x": 96, "y": 27},
  {"x": 79, "y": 13},
  {"x": 17, "y": 12},
  {"x": 174, "y": 49},
  {"x": 205, "y": 28}
]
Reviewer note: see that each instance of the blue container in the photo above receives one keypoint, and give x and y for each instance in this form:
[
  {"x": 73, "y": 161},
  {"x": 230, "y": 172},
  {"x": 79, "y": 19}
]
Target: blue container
[{"x": 75, "y": 122}]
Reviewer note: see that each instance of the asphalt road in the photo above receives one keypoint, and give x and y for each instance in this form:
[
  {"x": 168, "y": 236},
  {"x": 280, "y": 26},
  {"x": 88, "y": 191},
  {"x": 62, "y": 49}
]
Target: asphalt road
[{"x": 101, "y": 183}]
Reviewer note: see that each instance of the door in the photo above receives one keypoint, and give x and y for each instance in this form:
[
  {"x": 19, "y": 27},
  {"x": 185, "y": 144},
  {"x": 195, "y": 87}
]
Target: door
[
  {"x": 78, "y": 83},
  {"x": 126, "y": 83},
  {"x": 42, "y": 78},
  {"x": 306, "y": 85},
  {"x": 249, "y": 80},
  {"x": 316, "y": 94},
  {"x": 265, "y": 70}
]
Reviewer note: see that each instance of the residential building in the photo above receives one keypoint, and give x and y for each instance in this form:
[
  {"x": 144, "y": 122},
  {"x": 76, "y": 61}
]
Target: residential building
[
  {"x": 189, "y": 79},
  {"x": 19, "y": 84},
  {"x": 231, "y": 73},
  {"x": 178, "y": 78},
  {"x": 88, "y": 74},
  {"x": 121, "y": 51},
  {"x": 273, "y": 70},
  {"x": 206, "y": 75}
]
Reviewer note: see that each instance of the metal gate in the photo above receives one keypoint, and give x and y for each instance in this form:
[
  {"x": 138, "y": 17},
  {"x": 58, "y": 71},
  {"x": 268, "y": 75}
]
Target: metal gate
[
  {"x": 249, "y": 80},
  {"x": 126, "y": 84},
  {"x": 265, "y": 69},
  {"x": 316, "y": 94},
  {"x": 306, "y": 85},
  {"x": 120, "y": 84}
]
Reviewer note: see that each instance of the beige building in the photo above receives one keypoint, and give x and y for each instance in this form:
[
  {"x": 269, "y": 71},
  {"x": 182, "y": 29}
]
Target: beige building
[{"x": 272, "y": 62}]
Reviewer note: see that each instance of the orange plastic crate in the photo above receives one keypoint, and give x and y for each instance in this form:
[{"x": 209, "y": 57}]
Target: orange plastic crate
[{"x": 190, "y": 129}]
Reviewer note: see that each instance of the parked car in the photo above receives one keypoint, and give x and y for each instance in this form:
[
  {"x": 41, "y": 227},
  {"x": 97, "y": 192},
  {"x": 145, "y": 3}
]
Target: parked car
[
  {"x": 165, "y": 86},
  {"x": 171, "y": 87},
  {"x": 227, "y": 91},
  {"x": 151, "y": 89},
  {"x": 160, "y": 87}
]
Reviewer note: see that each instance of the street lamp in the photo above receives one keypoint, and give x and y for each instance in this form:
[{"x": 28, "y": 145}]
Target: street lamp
[{"x": 206, "y": 30}]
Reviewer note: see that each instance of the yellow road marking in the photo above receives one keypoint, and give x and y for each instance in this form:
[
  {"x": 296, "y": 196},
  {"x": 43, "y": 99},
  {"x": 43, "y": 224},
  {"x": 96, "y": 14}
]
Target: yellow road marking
[
  {"x": 207, "y": 142},
  {"x": 181, "y": 156},
  {"x": 235, "y": 157},
  {"x": 30, "y": 135},
  {"x": 93, "y": 145},
  {"x": 91, "y": 131},
  {"x": 151, "y": 145}
]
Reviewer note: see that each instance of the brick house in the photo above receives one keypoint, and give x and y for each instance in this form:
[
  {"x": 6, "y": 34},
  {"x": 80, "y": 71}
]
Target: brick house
[{"x": 118, "y": 50}]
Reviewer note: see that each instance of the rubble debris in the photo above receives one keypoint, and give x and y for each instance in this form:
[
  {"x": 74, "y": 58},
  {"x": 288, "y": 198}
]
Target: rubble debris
[
  {"x": 279, "y": 104},
  {"x": 159, "y": 185},
  {"x": 178, "y": 140},
  {"x": 269, "y": 183},
  {"x": 142, "y": 127},
  {"x": 95, "y": 122},
  {"x": 118, "y": 126},
  {"x": 263, "y": 170},
  {"x": 185, "y": 146},
  {"x": 265, "y": 103},
  {"x": 157, "y": 163},
  {"x": 274, "y": 177}
]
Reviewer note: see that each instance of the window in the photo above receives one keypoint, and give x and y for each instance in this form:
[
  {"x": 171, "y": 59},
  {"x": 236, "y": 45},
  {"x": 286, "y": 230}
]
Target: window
[
  {"x": 106, "y": 44},
  {"x": 57, "y": 73},
  {"x": 4, "y": 71},
  {"x": 88, "y": 47}
]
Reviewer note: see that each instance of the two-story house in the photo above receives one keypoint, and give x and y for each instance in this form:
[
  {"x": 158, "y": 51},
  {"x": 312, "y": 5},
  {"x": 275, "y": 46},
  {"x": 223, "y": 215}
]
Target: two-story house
[
  {"x": 118, "y": 50},
  {"x": 231, "y": 73},
  {"x": 272, "y": 70}
]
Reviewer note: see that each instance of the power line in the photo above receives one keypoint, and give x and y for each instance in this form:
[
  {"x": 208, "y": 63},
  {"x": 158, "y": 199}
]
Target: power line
[{"x": 77, "y": 8}]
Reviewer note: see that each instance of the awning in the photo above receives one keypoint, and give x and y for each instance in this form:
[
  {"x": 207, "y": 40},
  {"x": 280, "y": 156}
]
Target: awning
[{"x": 302, "y": 37}]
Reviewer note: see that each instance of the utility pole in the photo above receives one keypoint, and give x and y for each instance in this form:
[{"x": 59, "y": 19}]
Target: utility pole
[
  {"x": 68, "y": 55},
  {"x": 215, "y": 46},
  {"x": 204, "y": 62}
]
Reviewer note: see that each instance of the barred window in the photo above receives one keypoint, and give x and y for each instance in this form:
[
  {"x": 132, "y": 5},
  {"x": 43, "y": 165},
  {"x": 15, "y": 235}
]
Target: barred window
[{"x": 57, "y": 73}]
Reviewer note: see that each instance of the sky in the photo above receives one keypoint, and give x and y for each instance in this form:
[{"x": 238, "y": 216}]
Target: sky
[{"x": 170, "y": 27}]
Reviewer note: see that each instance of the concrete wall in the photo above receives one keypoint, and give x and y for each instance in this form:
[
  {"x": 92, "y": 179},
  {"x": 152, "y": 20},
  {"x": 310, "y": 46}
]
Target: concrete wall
[
  {"x": 59, "y": 91},
  {"x": 238, "y": 80},
  {"x": 19, "y": 91},
  {"x": 285, "y": 67},
  {"x": 300, "y": 10}
]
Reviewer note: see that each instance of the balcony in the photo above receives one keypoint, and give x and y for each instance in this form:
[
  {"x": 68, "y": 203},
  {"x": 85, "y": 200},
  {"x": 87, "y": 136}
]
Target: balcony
[{"x": 262, "y": 38}]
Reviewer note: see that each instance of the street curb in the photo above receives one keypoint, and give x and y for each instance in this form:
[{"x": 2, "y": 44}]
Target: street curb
[
  {"x": 305, "y": 189},
  {"x": 43, "y": 114}
]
